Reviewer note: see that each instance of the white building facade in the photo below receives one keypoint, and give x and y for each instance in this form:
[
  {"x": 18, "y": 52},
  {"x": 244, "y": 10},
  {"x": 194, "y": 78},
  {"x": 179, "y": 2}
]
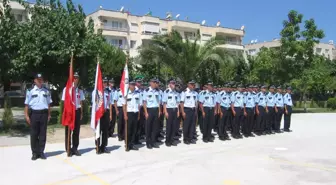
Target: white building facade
[{"x": 128, "y": 32}]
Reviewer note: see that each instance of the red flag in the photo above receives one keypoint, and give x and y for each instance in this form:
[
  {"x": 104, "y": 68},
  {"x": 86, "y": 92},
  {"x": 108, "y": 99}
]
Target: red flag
[
  {"x": 97, "y": 101},
  {"x": 124, "y": 81},
  {"x": 68, "y": 116}
]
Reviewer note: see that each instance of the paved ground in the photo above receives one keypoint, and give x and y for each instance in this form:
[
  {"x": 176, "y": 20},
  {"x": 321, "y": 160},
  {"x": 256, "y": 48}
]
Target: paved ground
[{"x": 303, "y": 157}]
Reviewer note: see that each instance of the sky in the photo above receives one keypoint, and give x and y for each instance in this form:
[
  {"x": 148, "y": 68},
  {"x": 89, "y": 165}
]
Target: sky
[{"x": 262, "y": 18}]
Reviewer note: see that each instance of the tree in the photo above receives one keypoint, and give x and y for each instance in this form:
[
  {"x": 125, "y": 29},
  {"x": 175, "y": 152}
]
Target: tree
[
  {"x": 9, "y": 44},
  {"x": 7, "y": 117},
  {"x": 186, "y": 58}
]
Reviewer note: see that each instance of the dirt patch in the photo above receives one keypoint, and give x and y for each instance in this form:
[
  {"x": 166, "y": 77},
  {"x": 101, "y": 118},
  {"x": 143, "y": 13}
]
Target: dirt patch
[{"x": 57, "y": 135}]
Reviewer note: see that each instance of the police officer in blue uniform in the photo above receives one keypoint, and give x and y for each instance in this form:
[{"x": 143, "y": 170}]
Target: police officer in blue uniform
[
  {"x": 250, "y": 104},
  {"x": 140, "y": 131},
  {"x": 237, "y": 107},
  {"x": 118, "y": 99},
  {"x": 37, "y": 114},
  {"x": 200, "y": 116},
  {"x": 279, "y": 109},
  {"x": 208, "y": 105},
  {"x": 288, "y": 109},
  {"x": 113, "y": 116},
  {"x": 79, "y": 95},
  {"x": 104, "y": 120},
  {"x": 188, "y": 109},
  {"x": 171, "y": 111},
  {"x": 261, "y": 111},
  {"x": 131, "y": 109},
  {"x": 270, "y": 101},
  {"x": 151, "y": 103},
  {"x": 224, "y": 104}
]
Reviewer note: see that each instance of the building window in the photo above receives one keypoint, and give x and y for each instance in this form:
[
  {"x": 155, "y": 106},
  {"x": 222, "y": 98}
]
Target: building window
[
  {"x": 134, "y": 27},
  {"x": 117, "y": 43},
  {"x": 189, "y": 35},
  {"x": 133, "y": 43},
  {"x": 19, "y": 17},
  {"x": 318, "y": 50}
]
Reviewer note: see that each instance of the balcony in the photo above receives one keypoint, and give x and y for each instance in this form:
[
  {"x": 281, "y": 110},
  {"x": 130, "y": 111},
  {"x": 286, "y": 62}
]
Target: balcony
[
  {"x": 110, "y": 28},
  {"x": 123, "y": 47},
  {"x": 113, "y": 14},
  {"x": 222, "y": 30},
  {"x": 147, "y": 36}
]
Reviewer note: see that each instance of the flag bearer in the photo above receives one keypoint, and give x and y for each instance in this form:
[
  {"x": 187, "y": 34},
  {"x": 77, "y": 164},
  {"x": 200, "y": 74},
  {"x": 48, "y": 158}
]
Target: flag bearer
[
  {"x": 79, "y": 96},
  {"x": 37, "y": 114}
]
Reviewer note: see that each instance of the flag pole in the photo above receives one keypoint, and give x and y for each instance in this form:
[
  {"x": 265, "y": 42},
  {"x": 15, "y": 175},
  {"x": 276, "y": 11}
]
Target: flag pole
[
  {"x": 97, "y": 139},
  {"x": 126, "y": 121},
  {"x": 69, "y": 130}
]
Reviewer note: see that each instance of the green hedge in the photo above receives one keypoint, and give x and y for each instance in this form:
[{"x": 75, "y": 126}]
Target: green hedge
[
  {"x": 331, "y": 103},
  {"x": 7, "y": 118}
]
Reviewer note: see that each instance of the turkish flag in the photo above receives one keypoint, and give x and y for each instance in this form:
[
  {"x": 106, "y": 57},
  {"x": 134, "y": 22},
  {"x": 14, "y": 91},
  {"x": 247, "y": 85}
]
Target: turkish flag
[
  {"x": 97, "y": 102},
  {"x": 124, "y": 81},
  {"x": 68, "y": 116}
]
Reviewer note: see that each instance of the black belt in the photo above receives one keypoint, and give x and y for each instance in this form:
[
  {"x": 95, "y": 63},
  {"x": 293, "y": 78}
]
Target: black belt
[
  {"x": 249, "y": 107},
  {"x": 40, "y": 111},
  {"x": 209, "y": 107},
  {"x": 189, "y": 108},
  {"x": 153, "y": 108}
]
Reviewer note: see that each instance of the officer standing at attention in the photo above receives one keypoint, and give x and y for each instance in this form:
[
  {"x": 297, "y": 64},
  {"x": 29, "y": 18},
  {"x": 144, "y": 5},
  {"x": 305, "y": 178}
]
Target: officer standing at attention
[
  {"x": 279, "y": 109},
  {"x": 261, "y": 110},
  {"x": 113, "y": 116},
  {"x": 200, "y": 116},
  {"x": 118, "y": 99},
  {"x": 79, "y": 116},
  {"x": 171, "y": 101},
  {"x": 131, "y": 115},
  {"x": 237, "y": 107},
  {"x": 270, "y": 101},
  {"x": 104, "y": 120},
  {"x": 151, "y": 104},
  {"x": 250, "y": 104},
  {"x": 37, "y": 114},
  {"x": 224, "y": 104},
  {"x": 141, "y": 122},
  {"x": 208, "y": 105},
  {"x": 288, "y": 109},
  {"x": 161, "y": 118},
  {"x": 188, "y": 109}
]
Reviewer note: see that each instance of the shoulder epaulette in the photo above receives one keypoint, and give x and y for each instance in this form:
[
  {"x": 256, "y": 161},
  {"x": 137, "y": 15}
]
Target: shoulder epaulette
[
  {"x": 259, "y": 94},
  {"x": 147, "y": 89},
  {"x": 222, "y": 93},
  {"x": 167, "y": 90}
]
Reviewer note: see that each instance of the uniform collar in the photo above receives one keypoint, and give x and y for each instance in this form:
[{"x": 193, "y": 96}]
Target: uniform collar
[{"x": 37, "y": 88}]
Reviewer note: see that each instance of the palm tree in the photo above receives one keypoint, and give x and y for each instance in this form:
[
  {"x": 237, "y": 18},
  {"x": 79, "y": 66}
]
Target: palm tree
[{"x": 185, "y": 57}]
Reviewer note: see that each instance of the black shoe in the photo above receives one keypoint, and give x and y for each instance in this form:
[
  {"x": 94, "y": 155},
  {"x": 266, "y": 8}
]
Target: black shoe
[
  {"x": 42, "y": 156},
  {"x": 155, "y": 145},
  {"x": 173, "y": 144},
  {"x": 127, "y": 149},
  {"x": 105, "y": 151},
  {"x": 134, "y": 148},
  {"x": 211, "y": 140},
  {"x": 76, "y": 153},
  {"x": 120, "y": 139},
  {"x": 137, "y": 143},
  {"x": 149, "y": 146},
  {"x": 186, "y": 142},
  {"x": 34, "y": 157},
  {"x": 168, "y": 144},
  {"x": 205, "y": 141},
  {"x": 98, "y": 152},
  {"x": 287, "y": 130},
  {"x": 193, "y": 141},
  {"x": 222, "y": 138},
  {"x": 227, "y": 138}
]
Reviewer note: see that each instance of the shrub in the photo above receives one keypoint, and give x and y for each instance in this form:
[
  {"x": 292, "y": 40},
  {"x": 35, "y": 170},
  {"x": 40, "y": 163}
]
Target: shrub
[
  {"x": 331, "y": 103},
  {"x": 7, "y": 118},
  {"x": 86, "y": 111}
]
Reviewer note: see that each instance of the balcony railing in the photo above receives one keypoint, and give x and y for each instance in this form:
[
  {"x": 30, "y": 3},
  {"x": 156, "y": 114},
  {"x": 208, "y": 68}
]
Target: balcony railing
[
  {"x": 233, "y": 43},
  {"x": 114, "y": 28}
]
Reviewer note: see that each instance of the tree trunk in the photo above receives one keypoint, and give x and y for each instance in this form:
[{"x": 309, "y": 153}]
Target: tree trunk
[{"x": 305, "y": 102}]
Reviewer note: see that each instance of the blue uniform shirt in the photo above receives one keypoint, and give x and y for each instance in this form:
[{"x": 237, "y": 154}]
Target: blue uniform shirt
[
  {"x": 152, "y": 98},
  {"x": 118, "y": 97},
  {"x": 261, "y": 99},
  {"x": 133, "y": 101},
  {"x": 189, "y": 98},
  {"x": 237, "y": 98},
  {"x": 288, "y": 100},
  {"x": 279, "y": 100},
  {"x": 38, "y": 98},
  {"x": 270, "y": 99},
  {"x": 223, "y": 98},
  {"x": 171, "y": 98},
  {"x": 249, "y": 100},
  {"x": 209, "y": 99},
  {"x": 200, "y": 94},
  {"x": 107, "y": 96},
  {"x": 141, "y": 92}
]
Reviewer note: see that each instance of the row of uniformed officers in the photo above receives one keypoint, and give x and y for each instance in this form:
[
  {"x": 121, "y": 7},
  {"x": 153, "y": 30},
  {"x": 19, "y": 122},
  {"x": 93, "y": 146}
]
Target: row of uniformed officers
[{"x": 141, "y": 114}]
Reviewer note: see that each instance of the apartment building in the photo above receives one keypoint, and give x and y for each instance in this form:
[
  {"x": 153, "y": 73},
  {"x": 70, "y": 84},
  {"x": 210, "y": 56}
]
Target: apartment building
[
  {"x": 326, "y": 49},
  {"x": 128, "y": 32},
  {"x": 19, "y": 11}
]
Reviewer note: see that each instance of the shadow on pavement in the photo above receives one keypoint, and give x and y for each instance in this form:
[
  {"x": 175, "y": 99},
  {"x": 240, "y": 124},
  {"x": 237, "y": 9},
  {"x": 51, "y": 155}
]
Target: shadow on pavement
[
  {"x": 111, "y": 148},
  {"x": 86, "y": 150},
  {"x": 55, "y": 153}
]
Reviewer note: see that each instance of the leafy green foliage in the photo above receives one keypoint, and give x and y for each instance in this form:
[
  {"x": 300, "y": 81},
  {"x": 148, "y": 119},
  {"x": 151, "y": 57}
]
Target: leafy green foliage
[
  {"x": 331, "y": 103},
  {"x": 7, "y": 117}
]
